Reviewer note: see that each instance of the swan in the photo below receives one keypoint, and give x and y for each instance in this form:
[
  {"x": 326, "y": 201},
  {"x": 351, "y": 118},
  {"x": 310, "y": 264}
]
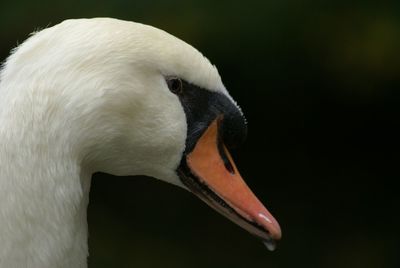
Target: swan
[{"x": 119, "y": 97}]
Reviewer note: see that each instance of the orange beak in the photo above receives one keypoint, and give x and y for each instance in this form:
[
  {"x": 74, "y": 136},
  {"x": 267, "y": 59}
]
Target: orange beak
[{"x": 218, "y": 182}]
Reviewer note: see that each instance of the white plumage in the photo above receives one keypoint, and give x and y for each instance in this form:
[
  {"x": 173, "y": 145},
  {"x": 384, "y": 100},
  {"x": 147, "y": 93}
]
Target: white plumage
[
  {"x": 83, "y": 96},
  {"x": 73, "y": 98}
]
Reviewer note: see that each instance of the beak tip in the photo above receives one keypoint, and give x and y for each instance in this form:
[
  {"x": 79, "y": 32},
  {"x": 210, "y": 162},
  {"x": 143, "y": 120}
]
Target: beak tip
[{"x": 271, "y": 225}]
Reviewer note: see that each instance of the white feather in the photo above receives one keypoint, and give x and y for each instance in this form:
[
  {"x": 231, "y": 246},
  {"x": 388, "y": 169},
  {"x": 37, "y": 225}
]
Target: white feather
[{"x": 83, "y": 96}]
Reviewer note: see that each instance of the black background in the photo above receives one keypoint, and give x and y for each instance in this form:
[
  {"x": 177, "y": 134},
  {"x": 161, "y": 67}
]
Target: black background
[{"x": 319, "y": 84}]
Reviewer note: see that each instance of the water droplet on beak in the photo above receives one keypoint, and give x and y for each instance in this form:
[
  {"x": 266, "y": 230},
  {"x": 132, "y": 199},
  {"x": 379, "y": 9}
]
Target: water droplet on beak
[{"x": 270, "y": 244}]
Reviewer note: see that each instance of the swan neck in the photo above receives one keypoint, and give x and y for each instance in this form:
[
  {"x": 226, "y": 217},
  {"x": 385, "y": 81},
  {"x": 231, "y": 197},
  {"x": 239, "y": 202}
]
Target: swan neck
[{"x": 43, "y": 202}]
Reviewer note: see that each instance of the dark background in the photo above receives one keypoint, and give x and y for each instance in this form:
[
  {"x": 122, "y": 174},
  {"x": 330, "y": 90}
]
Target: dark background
[{"x": 319, "y": 84}]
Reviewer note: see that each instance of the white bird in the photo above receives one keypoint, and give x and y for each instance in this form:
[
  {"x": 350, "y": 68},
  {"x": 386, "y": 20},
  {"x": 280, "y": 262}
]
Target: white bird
[{"x": 119, "y": 97}]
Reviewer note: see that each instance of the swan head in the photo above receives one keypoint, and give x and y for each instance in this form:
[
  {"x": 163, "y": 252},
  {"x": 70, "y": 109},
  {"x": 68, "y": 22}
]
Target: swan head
[{"x": 129, "y": 99}]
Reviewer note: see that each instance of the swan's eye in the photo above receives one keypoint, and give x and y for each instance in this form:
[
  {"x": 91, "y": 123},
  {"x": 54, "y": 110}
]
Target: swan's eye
[{"x": 175, "y": 85}]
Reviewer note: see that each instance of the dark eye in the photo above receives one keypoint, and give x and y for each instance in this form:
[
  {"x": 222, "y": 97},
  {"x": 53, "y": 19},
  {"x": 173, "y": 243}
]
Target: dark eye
[{"x": 175, "y": 85}]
